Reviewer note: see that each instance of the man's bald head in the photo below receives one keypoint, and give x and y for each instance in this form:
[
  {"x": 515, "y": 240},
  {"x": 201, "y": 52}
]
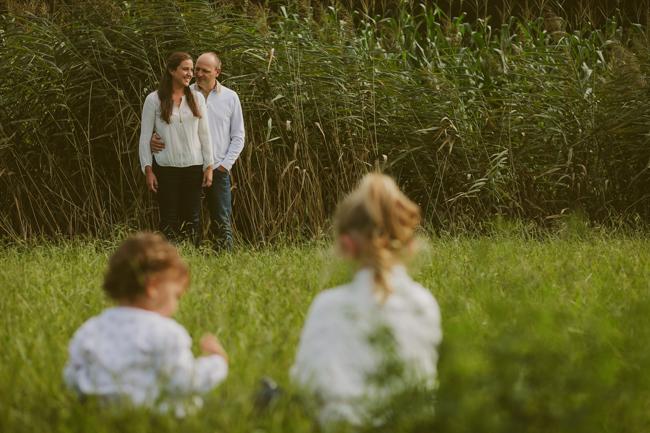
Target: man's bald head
[
  {"x": 207, "y": 69},
  {"x": 212, "y": 58}
]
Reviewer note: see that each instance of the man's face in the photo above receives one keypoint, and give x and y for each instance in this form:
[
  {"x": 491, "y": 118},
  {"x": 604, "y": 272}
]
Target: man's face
[{"x": 206, "y": 70}]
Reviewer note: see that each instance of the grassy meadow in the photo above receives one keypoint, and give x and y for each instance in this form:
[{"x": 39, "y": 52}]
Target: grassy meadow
[
  {"x": 546, "y": 334},
  {"x": 500, "y": 110}
]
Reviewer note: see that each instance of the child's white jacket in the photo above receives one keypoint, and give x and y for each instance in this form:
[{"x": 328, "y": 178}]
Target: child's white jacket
[
  {"x": 337, "y": 359},
  {"x": 142, "y": 356}
]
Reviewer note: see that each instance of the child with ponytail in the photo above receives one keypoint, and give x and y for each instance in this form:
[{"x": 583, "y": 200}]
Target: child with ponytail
[{"x": 340, "y": 359}]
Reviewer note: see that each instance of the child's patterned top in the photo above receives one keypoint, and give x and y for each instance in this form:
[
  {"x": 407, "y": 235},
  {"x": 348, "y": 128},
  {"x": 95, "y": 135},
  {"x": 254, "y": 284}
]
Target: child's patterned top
[{"x": 143, "y": 356}]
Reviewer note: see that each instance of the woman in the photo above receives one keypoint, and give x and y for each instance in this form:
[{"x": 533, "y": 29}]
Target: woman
[{"x": 177, "y": 173}]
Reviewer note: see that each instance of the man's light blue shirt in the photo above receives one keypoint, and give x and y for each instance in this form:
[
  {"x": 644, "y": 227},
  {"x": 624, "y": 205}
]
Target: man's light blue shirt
[{"x": 226, "y": 123}]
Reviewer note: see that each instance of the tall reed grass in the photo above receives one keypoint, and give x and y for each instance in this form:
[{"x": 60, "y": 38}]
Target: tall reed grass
[{"x": 530, "y": 117}]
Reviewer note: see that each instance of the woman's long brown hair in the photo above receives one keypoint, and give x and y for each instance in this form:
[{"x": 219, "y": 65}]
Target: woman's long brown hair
[{"x": 165, "y": 88}]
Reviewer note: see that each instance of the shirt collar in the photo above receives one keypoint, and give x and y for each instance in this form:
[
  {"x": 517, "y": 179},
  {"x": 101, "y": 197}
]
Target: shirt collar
[
  {"x": 216, "y": 88},
  {"x": 365, "y": 276}
]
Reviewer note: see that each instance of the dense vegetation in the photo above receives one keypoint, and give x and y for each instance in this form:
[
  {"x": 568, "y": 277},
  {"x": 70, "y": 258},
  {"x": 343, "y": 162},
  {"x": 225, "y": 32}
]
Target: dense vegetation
[
  {"x": 531, "y": 117},
  {"x": 539, "y": 335}
]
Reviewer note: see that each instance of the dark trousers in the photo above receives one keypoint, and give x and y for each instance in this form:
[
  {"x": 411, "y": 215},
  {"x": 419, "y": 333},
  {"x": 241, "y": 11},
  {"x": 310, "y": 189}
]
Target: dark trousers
[
  {"x": 179, "y": 201},
  {"x": 220, "y": 207}
]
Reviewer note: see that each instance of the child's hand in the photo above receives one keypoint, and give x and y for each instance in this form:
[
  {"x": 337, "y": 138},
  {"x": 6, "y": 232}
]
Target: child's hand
[{"x": 211, "y": 346}]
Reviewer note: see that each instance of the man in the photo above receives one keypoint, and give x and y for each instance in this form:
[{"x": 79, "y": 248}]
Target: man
[{"x": 227, "y": 131}]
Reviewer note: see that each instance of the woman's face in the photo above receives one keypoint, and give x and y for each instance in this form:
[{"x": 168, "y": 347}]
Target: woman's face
[{"x": 182, "y": 75}]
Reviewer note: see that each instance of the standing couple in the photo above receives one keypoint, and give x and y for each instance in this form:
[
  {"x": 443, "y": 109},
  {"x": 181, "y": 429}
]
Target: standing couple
[{"x": 190, "y": 138}]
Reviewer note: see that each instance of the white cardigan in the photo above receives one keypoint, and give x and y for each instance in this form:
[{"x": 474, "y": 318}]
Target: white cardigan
[
  {"x": 187, "y": 138},
  {"x": 335, "y": 358}
]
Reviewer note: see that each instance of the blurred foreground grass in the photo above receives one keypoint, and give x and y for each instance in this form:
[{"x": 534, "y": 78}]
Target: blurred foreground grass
[{"x": 539, "y": 335}]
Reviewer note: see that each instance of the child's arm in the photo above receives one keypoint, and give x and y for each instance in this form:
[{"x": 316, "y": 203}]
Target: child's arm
[
  {"x": 74, "y": 366},
  {"x": 71, "y": 368},
  {"x": 321, "y": 350},
  {"x": 188, "y": 375},
  {"x": 210, "y": 345}
]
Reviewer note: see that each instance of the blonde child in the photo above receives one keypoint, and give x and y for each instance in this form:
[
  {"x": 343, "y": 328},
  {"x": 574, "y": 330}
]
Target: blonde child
[
  {"x": 339, "y": 359},
  {"x": 134, "y": 352}
]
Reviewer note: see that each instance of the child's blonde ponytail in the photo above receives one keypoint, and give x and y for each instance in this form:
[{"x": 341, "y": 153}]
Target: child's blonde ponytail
[{"x": 384, "y": 220}]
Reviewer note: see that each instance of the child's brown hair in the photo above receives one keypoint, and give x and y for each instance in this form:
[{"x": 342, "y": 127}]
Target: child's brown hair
[
  {"x": 136, "y": 260},
  {"x": 384, "y": 220}
]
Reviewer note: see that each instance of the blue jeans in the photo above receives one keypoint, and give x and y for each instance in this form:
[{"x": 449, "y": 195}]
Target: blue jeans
[{"x": 220, "y": 207}]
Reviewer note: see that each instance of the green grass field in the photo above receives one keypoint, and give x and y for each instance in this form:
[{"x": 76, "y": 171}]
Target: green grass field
[{"x": 543, "y": 335}]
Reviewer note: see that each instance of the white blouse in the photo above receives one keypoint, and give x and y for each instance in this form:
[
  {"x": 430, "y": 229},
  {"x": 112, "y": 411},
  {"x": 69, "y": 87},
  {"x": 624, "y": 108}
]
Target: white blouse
[
  {"x": 336, "y": 360},
  {"x": 187, "y": 138},
  {"x": 143, "y": 356}
]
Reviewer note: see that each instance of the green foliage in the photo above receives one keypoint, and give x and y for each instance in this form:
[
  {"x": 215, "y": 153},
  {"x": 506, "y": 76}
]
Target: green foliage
[
  {"x": 526, "y": 118},
  {"x": 545, "y": 335}
]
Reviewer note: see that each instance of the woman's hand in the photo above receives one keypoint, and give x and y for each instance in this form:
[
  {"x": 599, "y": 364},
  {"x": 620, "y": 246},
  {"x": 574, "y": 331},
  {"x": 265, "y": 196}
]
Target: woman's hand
[
  {"x": 152, "y": 181},
  {"x": 211, "y": 346},
  {"x": 207, "y": 177}
]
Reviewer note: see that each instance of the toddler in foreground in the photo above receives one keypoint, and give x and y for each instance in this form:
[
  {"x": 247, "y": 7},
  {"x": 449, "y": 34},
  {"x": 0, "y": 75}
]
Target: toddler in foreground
[
  {"x": 134, "y": 352},
  {"x": 339, "y": 360}
]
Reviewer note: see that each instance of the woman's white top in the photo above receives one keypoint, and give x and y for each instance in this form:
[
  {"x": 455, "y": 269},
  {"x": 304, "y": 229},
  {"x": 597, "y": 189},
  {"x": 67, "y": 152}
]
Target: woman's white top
[
  {"x": 143, "y": 356},
  {"x": 336, "y": 359},
  {"x": 187, "y": 138}
]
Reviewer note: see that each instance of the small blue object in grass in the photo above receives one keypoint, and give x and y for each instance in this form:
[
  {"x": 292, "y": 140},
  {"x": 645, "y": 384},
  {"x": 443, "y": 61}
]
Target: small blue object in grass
[{"x": 267, "y": 392}]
